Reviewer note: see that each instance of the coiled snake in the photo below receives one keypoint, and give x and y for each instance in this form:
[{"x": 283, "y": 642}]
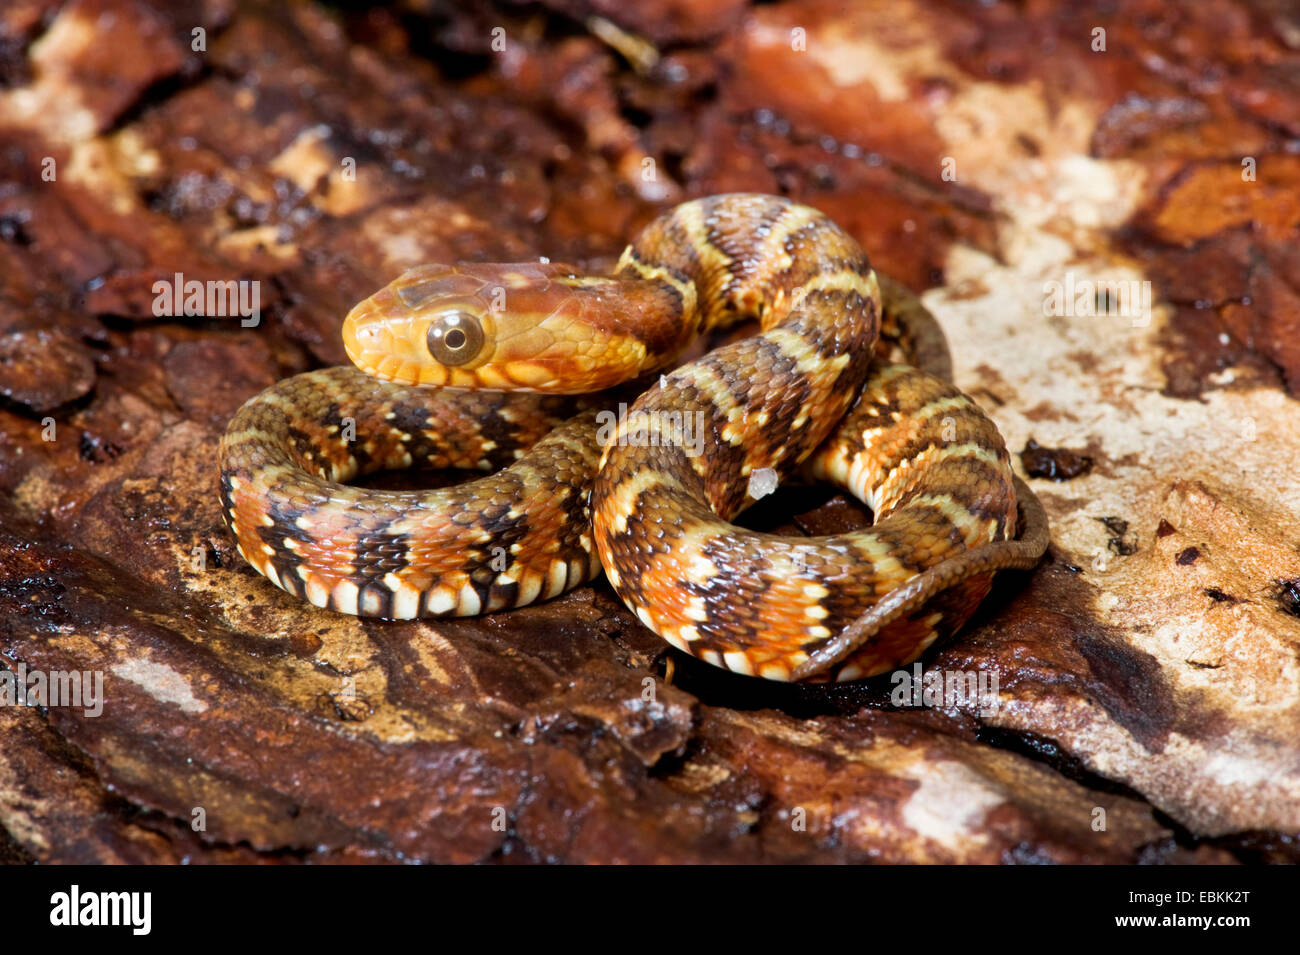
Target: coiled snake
[{"x": 647, "y": 494}]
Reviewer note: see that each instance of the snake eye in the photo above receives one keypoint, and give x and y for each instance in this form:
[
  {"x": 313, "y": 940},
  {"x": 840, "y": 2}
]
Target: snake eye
[{"x": 455, "y": 337}]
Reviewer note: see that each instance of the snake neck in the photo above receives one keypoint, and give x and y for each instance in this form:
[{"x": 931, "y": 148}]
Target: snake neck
[
  {"x": 742, "y": 256},
  {"x": 767, "y": 400}
]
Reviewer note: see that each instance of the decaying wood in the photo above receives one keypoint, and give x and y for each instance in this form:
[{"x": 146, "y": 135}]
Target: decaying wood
[{"x": 1148, "y": 689}]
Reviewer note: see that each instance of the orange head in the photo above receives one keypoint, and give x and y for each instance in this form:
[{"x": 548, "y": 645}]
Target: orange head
[{"x": 525, "y": 327}]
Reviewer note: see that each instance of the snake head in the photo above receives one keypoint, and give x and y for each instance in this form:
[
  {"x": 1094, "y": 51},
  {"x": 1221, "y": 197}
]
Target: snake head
[
  {"x": 431, "y": 326},
  {"x": 518, "y": 327}
]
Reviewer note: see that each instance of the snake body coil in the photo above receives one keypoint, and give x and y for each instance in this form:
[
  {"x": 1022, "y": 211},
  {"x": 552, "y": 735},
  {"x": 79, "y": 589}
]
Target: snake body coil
[{"x": 808, "y": 393}]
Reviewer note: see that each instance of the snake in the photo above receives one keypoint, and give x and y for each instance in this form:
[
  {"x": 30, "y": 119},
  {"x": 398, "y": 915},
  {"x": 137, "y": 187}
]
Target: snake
[{"x": 514, "y": 369}]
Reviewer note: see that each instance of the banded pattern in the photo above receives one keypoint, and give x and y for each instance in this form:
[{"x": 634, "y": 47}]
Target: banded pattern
[
  {"x": 656, "y": 511},
  {"x": 930, "y": 465},
  {"x": 937, "y": 477},
  {"x": 519, "y": 535}
]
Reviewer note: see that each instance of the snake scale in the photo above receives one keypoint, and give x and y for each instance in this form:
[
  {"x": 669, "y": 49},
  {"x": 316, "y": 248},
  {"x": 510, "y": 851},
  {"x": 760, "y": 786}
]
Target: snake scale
[{"x": 647, "y": 494}]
